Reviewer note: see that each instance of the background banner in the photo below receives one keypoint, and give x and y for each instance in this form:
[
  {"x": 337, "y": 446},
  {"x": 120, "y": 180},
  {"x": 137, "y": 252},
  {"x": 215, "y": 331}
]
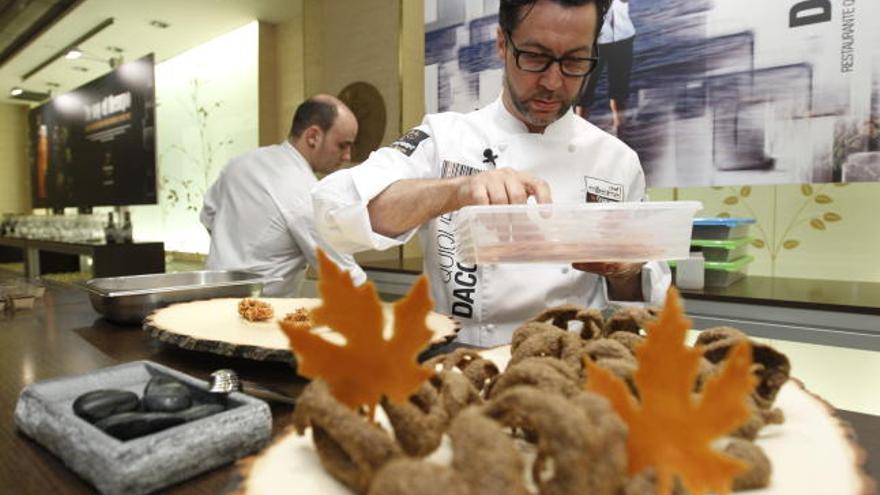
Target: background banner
[
  {"x": 719, "y": 92},
  {"x": 95, "y": 145}
]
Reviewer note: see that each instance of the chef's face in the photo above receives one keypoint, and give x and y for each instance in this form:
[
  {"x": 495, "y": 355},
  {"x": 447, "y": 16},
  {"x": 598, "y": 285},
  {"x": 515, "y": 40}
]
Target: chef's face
[
  {"x": 334, "y": 146},
  {"x": 540, "y": 98}
]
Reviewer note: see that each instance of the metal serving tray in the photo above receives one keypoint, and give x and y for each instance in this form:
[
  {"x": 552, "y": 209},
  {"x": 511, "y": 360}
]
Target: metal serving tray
[{"x": 130, "y": 299}]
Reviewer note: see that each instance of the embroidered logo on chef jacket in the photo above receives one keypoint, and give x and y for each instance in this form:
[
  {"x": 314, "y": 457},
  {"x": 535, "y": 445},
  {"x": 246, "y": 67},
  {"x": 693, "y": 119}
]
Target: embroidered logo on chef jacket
[
  {"x": 453, "y": 169},
  {"x": 602, "y": 191},
  {"x": 408, "y": 143}
]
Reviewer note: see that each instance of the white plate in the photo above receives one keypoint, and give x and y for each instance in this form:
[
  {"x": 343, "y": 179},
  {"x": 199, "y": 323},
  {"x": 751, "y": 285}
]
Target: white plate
[{"x": 811, "y": 452}]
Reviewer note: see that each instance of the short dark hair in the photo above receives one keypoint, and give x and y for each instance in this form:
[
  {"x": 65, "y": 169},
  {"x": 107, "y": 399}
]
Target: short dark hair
[
  {"x": 510, "y": 12},
  {"x": 314, "y": 111}
]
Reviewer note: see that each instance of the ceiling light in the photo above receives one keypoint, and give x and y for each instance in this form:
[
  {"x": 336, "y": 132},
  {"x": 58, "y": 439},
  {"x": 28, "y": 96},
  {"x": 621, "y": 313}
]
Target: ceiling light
[
  {"x": 27, "y": 95},
  {"x": 82, "y": 55},
  {"x": 71, "y": 46}
]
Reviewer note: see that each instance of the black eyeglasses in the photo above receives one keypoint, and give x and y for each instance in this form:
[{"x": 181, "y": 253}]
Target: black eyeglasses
[{"x": 539, "y": 62}]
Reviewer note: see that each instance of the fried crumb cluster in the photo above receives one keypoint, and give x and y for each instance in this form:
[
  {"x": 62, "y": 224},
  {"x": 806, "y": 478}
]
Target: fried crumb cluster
[
  {"x": 298, "y": 317},
  {"x": 255, "y": 310}
]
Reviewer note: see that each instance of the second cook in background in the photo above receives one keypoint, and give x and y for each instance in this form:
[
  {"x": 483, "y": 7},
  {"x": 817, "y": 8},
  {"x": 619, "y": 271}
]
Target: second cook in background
[
  {"x": 527, "y": 143},
  {"x": 259, "y": 211}
]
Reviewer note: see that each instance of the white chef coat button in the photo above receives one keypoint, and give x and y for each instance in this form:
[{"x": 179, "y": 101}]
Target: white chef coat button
[
  {"x": 572, "y": 148},
  {"x": 502, "y": 147},
  {"x": 565, "y": 270}
]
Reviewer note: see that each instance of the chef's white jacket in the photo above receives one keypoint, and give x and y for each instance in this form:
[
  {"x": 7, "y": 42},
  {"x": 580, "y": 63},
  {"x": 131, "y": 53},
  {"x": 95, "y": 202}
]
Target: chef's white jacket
[
  {"x": 259, "y": 213},
  {"x": 577, "y": 159}
]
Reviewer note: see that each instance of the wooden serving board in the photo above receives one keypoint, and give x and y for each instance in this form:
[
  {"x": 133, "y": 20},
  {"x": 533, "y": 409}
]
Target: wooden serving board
[
  {"x": 812, "y": 452},
  {"x": 215, "y": 326}
]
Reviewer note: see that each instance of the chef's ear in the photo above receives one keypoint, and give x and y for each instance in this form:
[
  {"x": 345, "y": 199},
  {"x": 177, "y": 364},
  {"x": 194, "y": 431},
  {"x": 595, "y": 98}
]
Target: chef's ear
[
  {"x": 500, "y": 43},
  {"x": 313, "y": 136}
]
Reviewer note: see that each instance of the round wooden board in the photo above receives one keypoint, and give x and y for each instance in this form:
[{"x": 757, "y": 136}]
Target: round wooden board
[
  {"x": 812, "y": 452},
  {"x": 215, "y": 326}
]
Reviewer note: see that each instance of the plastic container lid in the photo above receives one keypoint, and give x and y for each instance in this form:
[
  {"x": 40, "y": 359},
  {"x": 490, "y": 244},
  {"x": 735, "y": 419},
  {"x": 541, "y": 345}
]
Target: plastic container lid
[
  {"x": 723, "y": 222},
  {"x": 728, "y": 244},
  {"x": 727, "y": 266},
  {"x": 730, "y": 266}
]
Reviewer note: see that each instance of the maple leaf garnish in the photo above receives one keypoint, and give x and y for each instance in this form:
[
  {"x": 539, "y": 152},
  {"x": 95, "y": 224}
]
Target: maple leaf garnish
[
  {"x": 367, "y": 366},
  {"x": 669, "y": 430}
]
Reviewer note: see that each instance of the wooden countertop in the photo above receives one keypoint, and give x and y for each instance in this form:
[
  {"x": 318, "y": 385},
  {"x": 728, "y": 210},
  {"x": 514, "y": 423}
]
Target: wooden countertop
[{"x": 62, "y": 336}]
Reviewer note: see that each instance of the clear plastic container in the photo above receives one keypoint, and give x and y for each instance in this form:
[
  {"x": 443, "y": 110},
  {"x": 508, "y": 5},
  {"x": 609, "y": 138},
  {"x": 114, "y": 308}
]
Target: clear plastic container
[
  {"x": 572, "y": 232},
  {"x": 721, "y": 228},
  {"x": 723, "y": 274},
  {"x": 726, "y": 250},
  {"x": 19, "y": 294}
]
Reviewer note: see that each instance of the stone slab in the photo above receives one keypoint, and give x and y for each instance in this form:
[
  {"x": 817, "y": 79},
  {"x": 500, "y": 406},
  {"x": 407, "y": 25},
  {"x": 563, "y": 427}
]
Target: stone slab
[{"x": 141, "y": 465}]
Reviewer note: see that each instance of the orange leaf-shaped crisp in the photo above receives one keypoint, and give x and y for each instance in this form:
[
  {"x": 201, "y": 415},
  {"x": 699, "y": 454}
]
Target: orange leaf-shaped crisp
[
  {"x": 669, "y": 430},
  {"x": 367, "y": 366}
]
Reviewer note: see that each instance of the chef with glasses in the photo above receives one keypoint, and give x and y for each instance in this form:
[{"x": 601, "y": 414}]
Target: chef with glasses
[{"x": 528, "y": 145}]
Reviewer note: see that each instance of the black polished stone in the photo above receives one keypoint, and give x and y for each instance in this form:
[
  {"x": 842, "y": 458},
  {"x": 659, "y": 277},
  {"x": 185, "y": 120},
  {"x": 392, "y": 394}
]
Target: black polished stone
[
  {"x": 99, "y": 404},
  {"x": 165, "y": 394},
  {"x": 200, "y": 411},
  {"x": 125, "y": 426}
]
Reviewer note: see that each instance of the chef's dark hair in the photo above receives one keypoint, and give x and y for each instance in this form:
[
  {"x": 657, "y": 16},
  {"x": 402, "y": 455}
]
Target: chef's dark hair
[
  {"x": 512, "y": 12},
  {"x": 314, "y": 111}
]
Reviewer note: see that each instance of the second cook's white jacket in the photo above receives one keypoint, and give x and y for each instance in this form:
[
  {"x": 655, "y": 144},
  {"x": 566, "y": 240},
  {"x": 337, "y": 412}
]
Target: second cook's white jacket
[
  {"x": 260, "y": 217},
  {"x": 576, "y": 158}
]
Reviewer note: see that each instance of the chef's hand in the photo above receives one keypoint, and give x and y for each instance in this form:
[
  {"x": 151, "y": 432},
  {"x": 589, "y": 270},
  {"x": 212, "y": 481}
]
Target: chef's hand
[
  {"x": 624, "y": 279},
  {"x": 502, "y": 186}
]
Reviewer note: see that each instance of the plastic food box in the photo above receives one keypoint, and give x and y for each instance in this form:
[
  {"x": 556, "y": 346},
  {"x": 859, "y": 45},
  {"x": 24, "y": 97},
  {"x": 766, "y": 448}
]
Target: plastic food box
[
  {"x": 722, "y": 228},
  {"x": 20, "y": 288},
  {"x": 723, "y": 274},
  {"x": 726, "y": 250},
  {"x": 20, "y": 294},
  {"x": 570, "y": 232}
]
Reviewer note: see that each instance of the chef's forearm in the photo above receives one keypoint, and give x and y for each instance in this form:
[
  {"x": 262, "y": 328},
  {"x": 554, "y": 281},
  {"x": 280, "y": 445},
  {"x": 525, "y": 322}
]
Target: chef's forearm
[
  {"x": 408, "y": 203},
  {"x": 625, "y": 288}
]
